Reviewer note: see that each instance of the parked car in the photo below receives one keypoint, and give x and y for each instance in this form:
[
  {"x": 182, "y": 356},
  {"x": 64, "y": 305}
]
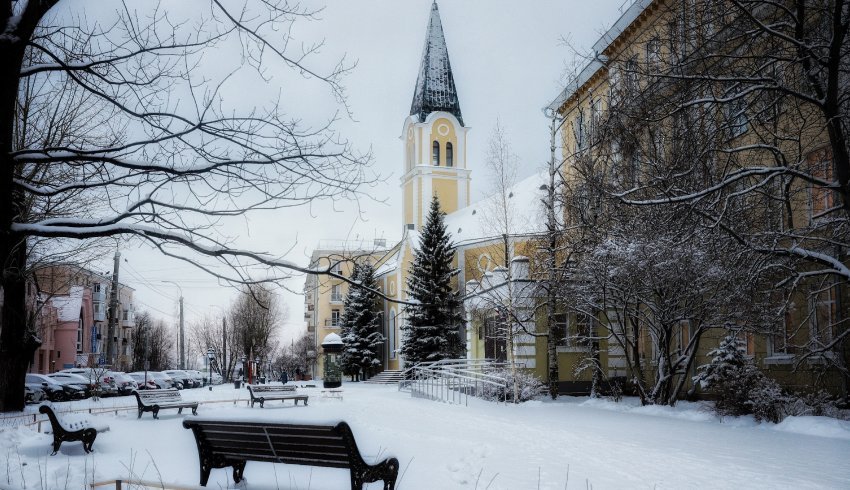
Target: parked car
[
  {"x": 183, "y": 377},
  {"x": 125, "y": 383},
  {"x": 55, "y": 391},
  {"x": 105, "y": 378},
  {"x": 217, "y": 379},
  {"x": 139, "y": 378},
  {"x": 198, "y": 377},
  {"x": 74, "y": 380},
  {"x": 33, "y": 393},
  {"x": 162, "y": 380}
]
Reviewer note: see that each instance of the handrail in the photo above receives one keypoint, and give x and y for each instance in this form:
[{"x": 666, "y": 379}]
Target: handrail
[{"x": 454, "y": 380}]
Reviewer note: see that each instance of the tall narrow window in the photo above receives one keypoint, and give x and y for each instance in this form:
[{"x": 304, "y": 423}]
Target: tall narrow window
[
  {"x": 578, "y": 130},
  {"x": 435, "y": 154},
  {"x": 450, "y": 157},
  {"x": 80, "y": 336},
  {"x": 821, "y": 198}
]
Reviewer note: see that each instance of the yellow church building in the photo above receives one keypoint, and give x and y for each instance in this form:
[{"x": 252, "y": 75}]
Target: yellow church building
[{"x": 434, "y": 138}]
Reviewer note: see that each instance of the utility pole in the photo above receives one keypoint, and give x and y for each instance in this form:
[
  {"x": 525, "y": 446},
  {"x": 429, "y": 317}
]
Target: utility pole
[
  {"x": 181, "y": 342},
  {"x": 113, "y": 312},
  {"x": 182, "y": 336}
]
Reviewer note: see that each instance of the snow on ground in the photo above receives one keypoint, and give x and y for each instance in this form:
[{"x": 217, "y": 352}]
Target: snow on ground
[{"x": 572, "y": 443}]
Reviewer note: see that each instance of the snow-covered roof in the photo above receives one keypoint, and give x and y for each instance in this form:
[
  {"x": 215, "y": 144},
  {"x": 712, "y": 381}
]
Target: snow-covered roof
[
  {"x": 332, "y": 339},
  {"x": 598, "y": 61},
  {"x": 473, "y": 223},
  {"x": 435, "y": 85},
  {"x": 68, "y": 307},
  {"x": 391, "y": 263}
]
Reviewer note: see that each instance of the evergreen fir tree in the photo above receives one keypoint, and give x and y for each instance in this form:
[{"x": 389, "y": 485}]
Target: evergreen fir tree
[
  {"x": 433, "y": 323},
  {"x": 362, "y": 336},
  {"x": 347, "y": 361}
]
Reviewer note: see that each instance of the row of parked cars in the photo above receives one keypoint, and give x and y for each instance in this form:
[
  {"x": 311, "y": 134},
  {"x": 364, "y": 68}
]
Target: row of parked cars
[{"x": 79, "y": 383}]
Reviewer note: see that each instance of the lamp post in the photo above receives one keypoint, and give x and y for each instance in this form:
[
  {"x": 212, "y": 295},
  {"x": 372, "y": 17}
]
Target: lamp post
[
  {"x": 210, "y": 357},
  {"x": 181, "y": 341},
  {"x": 243, "y": 367}
]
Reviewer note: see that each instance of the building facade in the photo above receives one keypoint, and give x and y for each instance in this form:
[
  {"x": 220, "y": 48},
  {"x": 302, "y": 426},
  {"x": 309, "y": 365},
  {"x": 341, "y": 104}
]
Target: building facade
[{"x": 78, "y": 300}]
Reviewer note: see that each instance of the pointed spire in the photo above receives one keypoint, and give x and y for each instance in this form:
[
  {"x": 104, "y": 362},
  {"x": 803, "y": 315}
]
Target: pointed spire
[{"x": 435, "y": 85}]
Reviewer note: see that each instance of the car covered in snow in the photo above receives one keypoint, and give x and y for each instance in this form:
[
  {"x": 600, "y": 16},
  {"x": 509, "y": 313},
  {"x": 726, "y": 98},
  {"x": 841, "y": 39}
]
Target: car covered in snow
[
  {"x": 33, "y": 393},
  {"x": 140, "y": 379},
  {"x": 183, "y": 377},
  {"x": 73, "y": 380},
  {"x": 55, "y": 391},
  {"x": 125, "y": 383},
  {"x": 161, "y": 380},
  {"x": 105, "y": 378}
]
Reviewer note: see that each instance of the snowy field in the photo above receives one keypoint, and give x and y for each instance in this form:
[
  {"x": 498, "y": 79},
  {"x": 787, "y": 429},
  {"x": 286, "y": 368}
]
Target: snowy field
[{"x": 571, "y": 443}]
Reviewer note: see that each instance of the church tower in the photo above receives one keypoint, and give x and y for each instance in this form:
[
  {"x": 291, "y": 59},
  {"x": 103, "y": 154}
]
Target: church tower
[{"x": 434, "y": 135}]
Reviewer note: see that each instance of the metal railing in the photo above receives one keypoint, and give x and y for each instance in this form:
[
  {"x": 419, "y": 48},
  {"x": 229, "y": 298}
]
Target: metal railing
[{"x": 455, "y": 380}]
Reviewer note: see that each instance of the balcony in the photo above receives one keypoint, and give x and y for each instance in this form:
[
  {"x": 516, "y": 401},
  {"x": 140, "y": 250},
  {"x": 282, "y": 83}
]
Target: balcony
[
  {"x": 336, "y": 298},
  {"x": 331, "y": 323},
  {"x": 307, "y": 315}
]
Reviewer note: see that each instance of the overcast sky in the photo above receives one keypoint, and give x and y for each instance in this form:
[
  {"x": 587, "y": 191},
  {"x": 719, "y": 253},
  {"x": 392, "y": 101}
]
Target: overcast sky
[{"x": 508, "y": 61}]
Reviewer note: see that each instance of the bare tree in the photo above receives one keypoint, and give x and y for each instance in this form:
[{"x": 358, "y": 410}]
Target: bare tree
[
  {"x": 220, "y": 336},
  {"x": 176, "y": 159},
  {"x": 296, "y": 357},
  {"x": 152, "y": 342},
  {"x": 255, "y": 316}
]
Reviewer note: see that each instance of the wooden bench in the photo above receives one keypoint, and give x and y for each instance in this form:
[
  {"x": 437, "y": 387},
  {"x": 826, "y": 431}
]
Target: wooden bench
[
  {"x": 223, "y": 443},
  {"x": 263, "y": 393},
  {"x": 335, "y": 393},
  {"x": 69, "y": 431},
  {"x": 155, "y": 400}
]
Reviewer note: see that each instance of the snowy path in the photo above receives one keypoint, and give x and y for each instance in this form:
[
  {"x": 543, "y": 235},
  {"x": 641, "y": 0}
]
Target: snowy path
[{"x": 443, "y": 447}]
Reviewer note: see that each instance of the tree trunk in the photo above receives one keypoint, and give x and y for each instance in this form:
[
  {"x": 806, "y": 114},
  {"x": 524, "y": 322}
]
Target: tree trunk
[{"x": 17, "y": 343}]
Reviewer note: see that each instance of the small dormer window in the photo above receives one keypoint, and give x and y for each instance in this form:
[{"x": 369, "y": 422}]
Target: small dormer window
[
  {"x": 435, "y": 154},
  {"x": 450, "y": 157}
]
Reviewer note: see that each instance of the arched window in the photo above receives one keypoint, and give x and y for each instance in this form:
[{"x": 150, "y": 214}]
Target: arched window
[
  {"x": 435, "y": 154},
  {"x": 450, "y": 157}
]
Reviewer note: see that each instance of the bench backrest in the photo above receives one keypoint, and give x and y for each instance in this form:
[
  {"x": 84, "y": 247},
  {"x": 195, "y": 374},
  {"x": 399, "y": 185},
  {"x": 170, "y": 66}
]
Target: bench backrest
[
  {"x": 315, "y": 445},
  {"x": 151, "y": 397},
  {"x": 271, "y": 389},
  {"x": 68, "y": 425}
]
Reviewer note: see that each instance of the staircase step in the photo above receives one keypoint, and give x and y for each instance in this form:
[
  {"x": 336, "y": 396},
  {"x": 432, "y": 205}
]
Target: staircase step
[{"x": 386, "y": 377}]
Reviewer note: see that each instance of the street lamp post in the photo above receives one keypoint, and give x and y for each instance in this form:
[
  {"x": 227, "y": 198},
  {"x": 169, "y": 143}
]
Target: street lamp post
[
  {"x": 181, "y": 341},
  {"x": 244, "y": 367},
  {"x": 210, "y": 357}
]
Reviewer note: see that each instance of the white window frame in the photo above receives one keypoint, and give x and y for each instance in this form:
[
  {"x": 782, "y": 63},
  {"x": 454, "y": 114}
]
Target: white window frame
[{"x": 336, "y": 293}]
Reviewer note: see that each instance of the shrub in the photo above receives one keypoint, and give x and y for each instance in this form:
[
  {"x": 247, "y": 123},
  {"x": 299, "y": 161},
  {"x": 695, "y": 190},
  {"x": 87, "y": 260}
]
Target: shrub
[
  {"x": 741, "y": 389},
  {"x": 528, "y": 386}
]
